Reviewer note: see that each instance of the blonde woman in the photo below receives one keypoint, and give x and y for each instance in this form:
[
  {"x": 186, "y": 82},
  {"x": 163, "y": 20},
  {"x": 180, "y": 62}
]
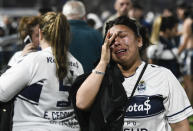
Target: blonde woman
[{"x": 42, "y": 80}]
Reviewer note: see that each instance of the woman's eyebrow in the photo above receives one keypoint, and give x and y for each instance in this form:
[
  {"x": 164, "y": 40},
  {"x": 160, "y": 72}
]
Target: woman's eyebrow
[{"x": 119, "y": 32}]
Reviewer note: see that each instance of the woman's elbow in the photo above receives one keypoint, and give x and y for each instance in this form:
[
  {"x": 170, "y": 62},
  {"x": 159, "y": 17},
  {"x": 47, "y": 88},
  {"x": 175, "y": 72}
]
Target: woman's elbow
[
  {"x": 4, "y": 96},
  {"x": 81, "y": 104}
]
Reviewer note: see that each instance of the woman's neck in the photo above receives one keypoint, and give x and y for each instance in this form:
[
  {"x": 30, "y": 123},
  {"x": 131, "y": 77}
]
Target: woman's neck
[
  {"x": 44, "y": 44},
  {"x": 130, "y": 69}
]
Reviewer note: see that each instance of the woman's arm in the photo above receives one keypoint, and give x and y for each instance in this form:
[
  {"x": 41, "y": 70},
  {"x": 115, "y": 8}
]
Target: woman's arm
[
  {"x": 185, "y": 35},
  {"x": 181, "y": 126},
  {"x": 88, "y": 90},
  {"x": 13, "y": 81}
]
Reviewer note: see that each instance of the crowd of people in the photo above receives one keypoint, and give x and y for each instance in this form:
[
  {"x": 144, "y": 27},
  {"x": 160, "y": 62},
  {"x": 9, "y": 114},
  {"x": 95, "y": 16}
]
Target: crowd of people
[{"x": 70, "y": 73}]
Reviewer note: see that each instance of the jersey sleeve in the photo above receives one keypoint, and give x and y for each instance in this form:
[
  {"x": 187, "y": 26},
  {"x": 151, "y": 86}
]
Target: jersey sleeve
[
  {"x": 15, "y": 58},
  {"x": 75, "y": 66},
  {"x": 177, "y": 104},
  {"x": 15, "y": 79}
]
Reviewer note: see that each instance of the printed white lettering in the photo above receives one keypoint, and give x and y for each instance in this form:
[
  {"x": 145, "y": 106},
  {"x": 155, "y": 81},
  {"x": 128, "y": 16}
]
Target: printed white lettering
[
  {"x": 130, "y": 123},
  {"x": 135, "y": 107},
  {"x": 148, "y": 106},
  {"x": 142, "y": 107}
]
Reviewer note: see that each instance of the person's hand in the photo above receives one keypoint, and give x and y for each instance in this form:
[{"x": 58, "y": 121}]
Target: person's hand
[
  {"x": 106, "y": 53},
  {"x": 28, "y": 48}
]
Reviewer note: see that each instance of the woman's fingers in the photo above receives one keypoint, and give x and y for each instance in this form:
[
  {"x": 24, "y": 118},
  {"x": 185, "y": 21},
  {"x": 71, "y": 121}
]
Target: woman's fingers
[
  {"x": 112, "y": 38},
  {"x": 109, "y": 39}
]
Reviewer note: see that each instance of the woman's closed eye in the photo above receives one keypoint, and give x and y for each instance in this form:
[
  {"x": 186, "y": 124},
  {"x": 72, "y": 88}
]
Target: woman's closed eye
[{"x": 122, "y": 34}]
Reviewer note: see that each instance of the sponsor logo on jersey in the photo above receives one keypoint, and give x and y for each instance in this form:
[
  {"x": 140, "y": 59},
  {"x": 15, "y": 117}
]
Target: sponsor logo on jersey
[
  {"x": 141, "y": 87},
  {"x": 144, "y": 106}
]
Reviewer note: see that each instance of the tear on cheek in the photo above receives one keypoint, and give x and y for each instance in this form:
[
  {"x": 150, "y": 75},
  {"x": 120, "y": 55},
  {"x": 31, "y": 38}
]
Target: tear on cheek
[{"x": 126, "y": 42}]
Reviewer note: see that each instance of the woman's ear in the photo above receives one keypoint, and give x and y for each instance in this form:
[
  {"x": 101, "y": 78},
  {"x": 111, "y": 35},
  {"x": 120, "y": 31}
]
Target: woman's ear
[{"x": 139, "y": 42}]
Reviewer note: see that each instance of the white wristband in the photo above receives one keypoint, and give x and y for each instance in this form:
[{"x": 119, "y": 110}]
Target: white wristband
[{"x": 98, "y": 72}]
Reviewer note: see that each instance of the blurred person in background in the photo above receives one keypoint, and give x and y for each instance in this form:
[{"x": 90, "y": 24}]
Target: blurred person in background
[
  {"x": 154, "y": 38},
  {"x": 41, "y": 81},
  {"x": 186, "y": 53},
  {"x": 164, "y": 52},
  {"x": 44, "y": 10},
  {"x": 7, "y": 25},
  {"x": 181, "y": 8},
  {"x": 2, "y": 34},
  {"x": 85, "y": 42},
  {"x": 122, "y": 8},
  {"x": 8, "y": 49},
  {"x": 29, "y": 35},
  {"x": 167, "y": 12},
  {"x": 137, "y": 13},
  {"x": 105, "y": 14},
  {"x": 94, "y": 21}
]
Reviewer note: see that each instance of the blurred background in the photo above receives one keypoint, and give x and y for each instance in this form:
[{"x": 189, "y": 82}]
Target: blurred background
[
  {"x": 24, "y": 7},
  {"x": 12, "y": 10}
]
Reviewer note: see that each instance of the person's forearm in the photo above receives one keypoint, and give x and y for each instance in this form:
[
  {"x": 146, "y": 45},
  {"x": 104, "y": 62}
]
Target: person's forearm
[
  {"x": 181, "y": 129},
  {"x": 181, "y": 126},
  {"x": 88, "y": 90},
  {"x": 90, "y": 87},
  {"x": 183, "y": 45}
]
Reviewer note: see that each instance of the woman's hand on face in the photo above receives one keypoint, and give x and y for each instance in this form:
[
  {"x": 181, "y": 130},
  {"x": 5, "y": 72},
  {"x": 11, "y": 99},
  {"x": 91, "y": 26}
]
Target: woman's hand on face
[
  {"x": 28, "y": 48},
  {"x": 106, "y": 53}
]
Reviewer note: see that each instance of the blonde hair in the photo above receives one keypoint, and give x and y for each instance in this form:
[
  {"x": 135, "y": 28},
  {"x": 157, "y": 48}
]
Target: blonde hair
[
  {"x": 155, "y": 30},
  {"x": 56, "y": 31}
]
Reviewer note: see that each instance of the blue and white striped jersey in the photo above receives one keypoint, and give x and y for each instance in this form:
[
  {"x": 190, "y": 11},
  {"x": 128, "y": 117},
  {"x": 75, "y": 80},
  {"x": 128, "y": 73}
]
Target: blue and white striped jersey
[
  {"x": 42, "y": 103},
  {"x": 158, "y": 100}
]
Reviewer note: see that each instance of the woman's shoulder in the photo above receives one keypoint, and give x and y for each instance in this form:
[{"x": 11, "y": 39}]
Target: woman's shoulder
[
  {"x": 74, "y": 64},
  {"x": 153, "y": 68},
  {"x": 18, "y": 53},
  {"x": 72, "y": 59},
  {"x": 157, "y": 73},
  {"x": 38, "y": 56}
]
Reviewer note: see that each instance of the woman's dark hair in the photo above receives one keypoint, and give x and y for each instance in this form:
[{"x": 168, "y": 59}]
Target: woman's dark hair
[
  {"x": 56, "y": 31},
  {"x": 138, "y": 30},
  {"x": 181, "y": 5},
  {"x": 189, "y": 12},
  {"x": 168, "y": 22}
]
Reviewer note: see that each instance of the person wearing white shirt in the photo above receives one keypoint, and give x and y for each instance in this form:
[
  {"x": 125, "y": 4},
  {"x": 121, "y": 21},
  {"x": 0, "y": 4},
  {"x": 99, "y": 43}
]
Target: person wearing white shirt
[
  {"x": 41, "y": 81},
  {"x": 159, "y": 102}
]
